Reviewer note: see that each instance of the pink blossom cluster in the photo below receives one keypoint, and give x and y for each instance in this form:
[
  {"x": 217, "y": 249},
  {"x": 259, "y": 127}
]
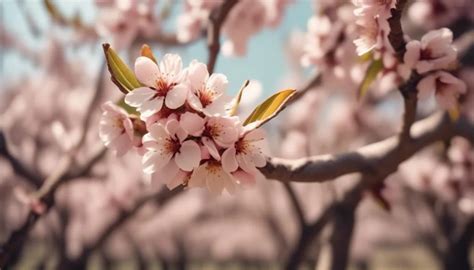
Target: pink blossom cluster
[
  {"x": 433, "y": 56},
  {"x": 185, "y": 133},
  {"x": 372, "y": 18},
  {"x": 121, "y": 21},
  {"x": 247, "y": 18}
]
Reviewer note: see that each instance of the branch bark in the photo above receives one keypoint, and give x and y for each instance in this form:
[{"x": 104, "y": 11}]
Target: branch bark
[
  {"x": 378, "y": 158},
  {"x": 216, "y": 19}
]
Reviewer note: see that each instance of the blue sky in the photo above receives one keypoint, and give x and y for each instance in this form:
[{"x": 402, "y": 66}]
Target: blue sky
[{"x": 265, "y": 60}]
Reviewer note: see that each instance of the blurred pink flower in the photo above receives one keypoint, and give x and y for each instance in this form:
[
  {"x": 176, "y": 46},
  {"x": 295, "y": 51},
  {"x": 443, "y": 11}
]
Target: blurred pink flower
[
  {"x": 168, "y": 151},
  {"x": 445, "y": 86},
  {"x": 435, "y": 51},
  {"x": 164, "y": 84},
  {"x": 116, "y": 129},
  {"x": 373, "y": 8},
  {"x": 321, "y": 38},
  {"x": 207, "y": 93}
]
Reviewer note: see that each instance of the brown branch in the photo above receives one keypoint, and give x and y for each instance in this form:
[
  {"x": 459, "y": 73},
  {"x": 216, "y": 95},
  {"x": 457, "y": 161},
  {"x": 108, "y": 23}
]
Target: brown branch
[
  {"x": 296, "y": 204},
  {"x": 161, "y": 197},
  {"x": 217, "y": 19},
  {"x": 18, "y": 167},
  {"x": 396, "y": 38},
  {"x": 377, "y": 158},
  {"x": 45, "y": 195}
]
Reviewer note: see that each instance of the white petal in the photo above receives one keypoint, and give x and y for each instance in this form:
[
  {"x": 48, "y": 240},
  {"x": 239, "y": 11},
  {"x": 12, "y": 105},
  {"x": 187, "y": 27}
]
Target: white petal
[
  {"x": 198, "y": 177},
  {"x": 189, "y": 156},
  {"x": 229, "y": 162},
  {"x": 121, "y": 144},
  {"x": 177, "y": 180},
  {"x": 194, "y": 102},
  {"x": 218, "y": 83},
  {"x": 138, "y": 96},
  {"x": 146, "y": 71},
  {"x": 245, "y": 163},
  {"x": 255, "y": 135},
  {"x": 158, "y": 131},
  {"x": 150, "y": 107},
  {"x": 154, "y": 161},
  {"x": 211, "y": 147},
  {"x": 192, "y": 123},
  {"x": 176, "y": 97},
  {"x": 171, "y": 64},
  {"x": 197, "y": 75},
  {"x": 167, "y": 173}
]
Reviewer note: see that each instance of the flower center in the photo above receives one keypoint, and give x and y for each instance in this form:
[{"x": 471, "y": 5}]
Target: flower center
[
  {"x": 242, "y": 146},
  {"x": 172, "y": 146},
  {"x": 212, "y": 130},
  {"x": 213, "y": 167},
  {"x": 206, "y": 97},
  {"x": 163, "y": 87},
  {"x": 426, "y": 54}
]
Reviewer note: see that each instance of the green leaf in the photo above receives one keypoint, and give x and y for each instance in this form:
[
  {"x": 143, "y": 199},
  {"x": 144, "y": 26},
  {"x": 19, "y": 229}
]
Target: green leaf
[
  {"x": 371, "y": 74},
  {"x": 120, "y": 73},
  {"x": 270, "y": 107},
  {"x": 236, "y": 101}
]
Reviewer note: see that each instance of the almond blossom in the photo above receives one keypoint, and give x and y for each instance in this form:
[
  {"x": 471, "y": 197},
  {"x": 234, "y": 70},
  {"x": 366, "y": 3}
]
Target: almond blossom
[
  {"x": 247, "y": 154},
  {"x": 207, "y": 92},
  {"x": 164, "y": 85},
  {"x": 212, "y": 175},
  {"x": 116, "y": 129},
  {"x": 446, "y": 87},
  {"x": 168, "y": 150},
  {"x": 434, "y": 51},
  {"x": 114, "y": 23}
]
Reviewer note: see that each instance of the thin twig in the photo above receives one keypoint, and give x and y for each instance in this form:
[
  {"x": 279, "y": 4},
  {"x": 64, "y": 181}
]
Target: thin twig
[
  {"x": 18, "y": 167},
  {"x": 217, "y": 19}
]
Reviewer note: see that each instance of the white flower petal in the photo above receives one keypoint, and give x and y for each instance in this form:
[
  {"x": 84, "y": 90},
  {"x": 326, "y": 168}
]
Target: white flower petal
[
  {"x": 176, "y": 97},
  {"x": 154, "y": 161},
  {"x": 136, "y": 97},
  {"x": 146, "y": 71},
  {"x": 189, "y": 156},
  {"x": 229, "y": 162},
  {"x": 211, "y": 147},
  {"x": 192, "y": 123}
]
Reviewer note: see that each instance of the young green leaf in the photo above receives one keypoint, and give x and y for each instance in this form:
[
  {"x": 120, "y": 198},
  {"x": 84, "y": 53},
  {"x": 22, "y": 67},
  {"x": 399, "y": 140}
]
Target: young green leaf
[
  {"x": 269, "y": 108},
  {"x": 236, "y": 101},
  {"x": 121, "y": 74},
  {"x": 371, "y": 74}
]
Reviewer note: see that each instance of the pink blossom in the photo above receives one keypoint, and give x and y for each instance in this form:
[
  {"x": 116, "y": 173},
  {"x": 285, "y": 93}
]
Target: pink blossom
[
  {"x": 114, "y": 20},
  {"x": 207, "y": 93},
  {"x": 321, "y": 38},
  {"x": 169, "y": 151},
  {"x": 445, "y": 86},
  {"x": 373, "y": 8},
  {"x": 116, "y": 129},
  {"x": 435, "y": 51},
  {"x": 164, "y": 85},
  {"x": 246, "y": 153},
  {"x": 219, "y": 132},
  {"x": 212, "y": 175},
  {"x": 194, "y": 17}
]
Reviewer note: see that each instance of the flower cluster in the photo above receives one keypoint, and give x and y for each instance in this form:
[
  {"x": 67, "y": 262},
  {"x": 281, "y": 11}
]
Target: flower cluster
[
  {"x": 432, "y": 57},
  {"x": 246, "y": 19},
  {"x": 114, "y": 20},
  {"x": 372, "y": 18},
  {"x": 185, "y": 132}
]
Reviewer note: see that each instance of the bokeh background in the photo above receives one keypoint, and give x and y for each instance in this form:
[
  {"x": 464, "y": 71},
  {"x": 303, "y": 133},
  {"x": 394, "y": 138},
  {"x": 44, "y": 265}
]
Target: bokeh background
[{"x": 106, "y": 215}]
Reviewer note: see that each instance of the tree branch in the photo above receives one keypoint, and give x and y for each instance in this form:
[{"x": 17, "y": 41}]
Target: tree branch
[
  {"x": 18, "y": 167},
  {"x": 377, "y": 158},
  {"x": 296, "y": 204},
  {"x": 216, "y": 19}
]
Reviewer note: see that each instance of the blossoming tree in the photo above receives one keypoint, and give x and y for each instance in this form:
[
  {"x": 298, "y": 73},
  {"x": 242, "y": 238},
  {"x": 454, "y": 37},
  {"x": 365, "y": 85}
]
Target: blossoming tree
[{"x": 179, "y": 144}]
